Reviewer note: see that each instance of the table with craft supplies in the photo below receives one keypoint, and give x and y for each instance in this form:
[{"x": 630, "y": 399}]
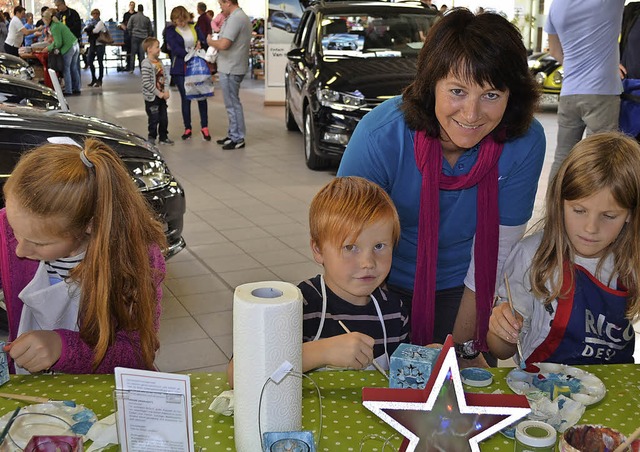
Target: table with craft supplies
[{"x": 345, "y": 421}]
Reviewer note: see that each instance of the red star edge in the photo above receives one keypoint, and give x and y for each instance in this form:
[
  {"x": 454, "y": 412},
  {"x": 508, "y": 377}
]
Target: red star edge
[{"x": 441, "y": 416}]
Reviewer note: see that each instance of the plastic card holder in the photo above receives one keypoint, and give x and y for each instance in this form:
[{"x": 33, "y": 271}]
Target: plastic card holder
[
  {"x": 151, "y": 421},
  {"x": 288, "y": 441}
]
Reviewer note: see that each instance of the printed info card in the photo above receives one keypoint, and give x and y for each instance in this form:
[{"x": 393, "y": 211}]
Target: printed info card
[{"x": 154, "y": 411}]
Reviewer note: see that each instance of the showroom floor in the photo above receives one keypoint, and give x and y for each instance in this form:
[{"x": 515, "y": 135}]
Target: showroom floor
[{"x": 246, "y": 214}]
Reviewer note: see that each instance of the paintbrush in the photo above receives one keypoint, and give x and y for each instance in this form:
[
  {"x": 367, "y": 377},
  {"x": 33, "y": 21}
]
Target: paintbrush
[
  {"x": 374, "y": 362},
  {"x": 522, "y": 363},
  {"x": 34, "y": 399},
  {"x": 628, "y": 442}
]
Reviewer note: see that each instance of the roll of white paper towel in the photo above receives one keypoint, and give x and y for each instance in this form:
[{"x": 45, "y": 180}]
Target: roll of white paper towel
[{"x": 267, "y": 330}]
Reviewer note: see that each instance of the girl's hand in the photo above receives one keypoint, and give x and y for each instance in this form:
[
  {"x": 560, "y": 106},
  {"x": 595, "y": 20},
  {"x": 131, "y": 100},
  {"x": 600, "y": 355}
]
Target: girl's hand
[
  {"x": 36, "y": 351},
  {"x": 352, "y": 350},
  {"x": 198, "y": 46},
  {"x": 504, "y": 324}
]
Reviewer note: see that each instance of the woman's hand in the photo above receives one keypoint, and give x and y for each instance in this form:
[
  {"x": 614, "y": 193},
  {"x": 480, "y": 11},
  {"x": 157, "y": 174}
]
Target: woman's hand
[{"x": 36, "y": 351}]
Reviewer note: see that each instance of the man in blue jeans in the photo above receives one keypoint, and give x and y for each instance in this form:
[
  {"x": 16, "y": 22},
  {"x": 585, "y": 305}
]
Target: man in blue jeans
[{"x": 233, "y": 63}]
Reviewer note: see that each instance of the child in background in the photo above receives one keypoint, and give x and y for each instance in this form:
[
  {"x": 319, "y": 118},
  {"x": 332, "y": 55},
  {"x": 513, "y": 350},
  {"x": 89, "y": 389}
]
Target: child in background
[
  {"x": 574, "y": 285},
  {"x": 155, "y": 92},
  {"x": 354, "y": 227},
  {"x": 80, "y": 263}
]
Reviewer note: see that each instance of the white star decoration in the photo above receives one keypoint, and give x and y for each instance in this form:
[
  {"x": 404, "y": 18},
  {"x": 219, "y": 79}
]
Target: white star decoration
[{"x": 441, "y": 417}]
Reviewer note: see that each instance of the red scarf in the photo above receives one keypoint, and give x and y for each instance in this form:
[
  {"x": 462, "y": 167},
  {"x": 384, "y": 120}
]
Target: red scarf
[{"x": 484, "y": 174}]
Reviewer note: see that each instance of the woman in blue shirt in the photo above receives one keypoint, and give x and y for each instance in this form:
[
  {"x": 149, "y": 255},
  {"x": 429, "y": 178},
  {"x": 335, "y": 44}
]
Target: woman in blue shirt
[{"x": 460, "y": 155}]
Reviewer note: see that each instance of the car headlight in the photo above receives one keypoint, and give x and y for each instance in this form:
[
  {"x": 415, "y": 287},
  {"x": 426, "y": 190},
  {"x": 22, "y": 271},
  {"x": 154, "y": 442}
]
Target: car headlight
[
  {"x": 557, "y": 77},
  {"x": 540, "y": 77},
  {"x": 18, "y": 72},
  {"x": 341, "y": 101},
  {"x": 148, "y": 174}
]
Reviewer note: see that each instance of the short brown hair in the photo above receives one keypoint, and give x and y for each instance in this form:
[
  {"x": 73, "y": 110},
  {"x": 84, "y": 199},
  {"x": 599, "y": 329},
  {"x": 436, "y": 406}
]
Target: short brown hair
[
  {"x": 180, "y": 12},
  {"x": 345, "y": 206},
  {"x": 484, "y": 49},
  {"x": 148, "y": 42}
]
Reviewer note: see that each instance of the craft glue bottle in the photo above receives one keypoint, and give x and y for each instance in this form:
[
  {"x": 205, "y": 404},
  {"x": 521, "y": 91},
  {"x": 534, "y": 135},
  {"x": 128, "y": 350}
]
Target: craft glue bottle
[{"x": 535, "y": 436}]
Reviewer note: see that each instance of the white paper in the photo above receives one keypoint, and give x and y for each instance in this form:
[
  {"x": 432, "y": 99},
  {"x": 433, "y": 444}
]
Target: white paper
[{"x": 154, "y": 411}]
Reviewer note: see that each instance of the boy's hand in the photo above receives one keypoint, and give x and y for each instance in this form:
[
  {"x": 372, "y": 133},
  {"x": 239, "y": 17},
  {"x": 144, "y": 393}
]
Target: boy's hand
[
  {"x": 166, "y": 94},
  {"x": 36, "y": 351},
  {"x": 352, "y": 350},
  {"x": 504, "y": 324}
]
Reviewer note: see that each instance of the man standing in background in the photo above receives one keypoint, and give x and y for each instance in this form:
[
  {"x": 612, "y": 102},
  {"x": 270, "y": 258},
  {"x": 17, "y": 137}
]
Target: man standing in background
[
  {"x": 583, "y": 37},
  {"x": 140, "y": 28},
  {"x": 204, "y": 21},
  {"x": 126, "y": 37},
  {"x": 233, "y": 63}
]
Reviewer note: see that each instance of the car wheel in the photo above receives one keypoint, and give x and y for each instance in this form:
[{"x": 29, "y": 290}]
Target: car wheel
[
  {"x": 313, "y": 161},
  {"x": 289, "y": 120},
  {"x": 288, "y": 28}
]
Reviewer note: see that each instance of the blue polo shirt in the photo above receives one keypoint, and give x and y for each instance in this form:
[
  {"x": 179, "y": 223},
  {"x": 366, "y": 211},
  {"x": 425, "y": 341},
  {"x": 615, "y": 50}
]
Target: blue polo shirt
[{"x": 381, "y": 150}]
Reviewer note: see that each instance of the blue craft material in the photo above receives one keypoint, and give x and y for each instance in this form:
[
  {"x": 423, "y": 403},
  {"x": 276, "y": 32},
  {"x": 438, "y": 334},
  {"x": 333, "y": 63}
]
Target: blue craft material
[
  {"x": 4, "y": 365},
  {"x": 411, "y": 366}
]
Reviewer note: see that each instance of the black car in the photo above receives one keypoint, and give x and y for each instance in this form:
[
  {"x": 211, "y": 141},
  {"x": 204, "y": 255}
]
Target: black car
[
  {"x": 16, "y": 67},
  {"x": 346, "y": 58},
  {"x": 23, "y": 128},
  {"x": 23, "y": 92}
]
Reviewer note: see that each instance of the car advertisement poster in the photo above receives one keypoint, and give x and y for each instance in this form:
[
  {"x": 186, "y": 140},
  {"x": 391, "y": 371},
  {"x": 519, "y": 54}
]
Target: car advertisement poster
[{"x": 283, "y": 19}]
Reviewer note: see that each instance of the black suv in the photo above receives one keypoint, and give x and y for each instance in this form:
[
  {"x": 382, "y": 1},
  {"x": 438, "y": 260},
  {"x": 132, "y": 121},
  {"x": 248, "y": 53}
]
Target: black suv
[
  {"x": 346, "y": 58},
  {"x": 23, "y": 128}
]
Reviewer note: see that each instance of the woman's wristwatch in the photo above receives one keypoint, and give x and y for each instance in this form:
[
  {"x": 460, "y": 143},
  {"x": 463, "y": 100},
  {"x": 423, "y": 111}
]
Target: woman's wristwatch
[{"x": 467, "y": 350}]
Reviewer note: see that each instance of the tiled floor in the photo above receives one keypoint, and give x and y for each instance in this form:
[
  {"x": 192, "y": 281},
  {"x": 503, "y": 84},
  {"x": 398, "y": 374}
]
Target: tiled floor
[{"x": 246, "y": 214}]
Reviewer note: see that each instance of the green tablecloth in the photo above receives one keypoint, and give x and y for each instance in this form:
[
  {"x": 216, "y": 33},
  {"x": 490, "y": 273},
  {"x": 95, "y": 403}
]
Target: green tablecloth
[{"x": 345, "y": 421}]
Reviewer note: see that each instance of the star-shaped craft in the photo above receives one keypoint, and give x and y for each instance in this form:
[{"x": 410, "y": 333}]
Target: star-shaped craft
[{"x": 441, "y": 417}]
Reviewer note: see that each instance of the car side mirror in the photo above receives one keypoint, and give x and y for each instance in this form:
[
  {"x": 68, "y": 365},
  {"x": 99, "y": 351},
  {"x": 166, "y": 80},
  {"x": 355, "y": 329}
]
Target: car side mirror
[{"x": 296, "y": 55}]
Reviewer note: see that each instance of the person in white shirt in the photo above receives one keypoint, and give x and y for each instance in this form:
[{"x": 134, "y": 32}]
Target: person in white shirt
[{"x": 17, "y": 31}]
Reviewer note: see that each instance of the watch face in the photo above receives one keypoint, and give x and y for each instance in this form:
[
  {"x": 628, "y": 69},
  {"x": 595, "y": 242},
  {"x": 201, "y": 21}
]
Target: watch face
[{"x": 469, "y": 348}]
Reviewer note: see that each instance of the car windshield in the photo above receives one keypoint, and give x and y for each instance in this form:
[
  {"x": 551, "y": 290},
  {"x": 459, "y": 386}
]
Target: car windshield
[{"x": 367, "y": 36}]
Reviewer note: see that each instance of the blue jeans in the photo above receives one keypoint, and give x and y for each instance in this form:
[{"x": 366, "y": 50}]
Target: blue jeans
[
  {"x": 136, "y": 49},
  {"x": 230, "y": 84},
  {"x": 71, "y": 71},
  {"x": 186, "y": 105},
  {"x": 96, "y": 51},
  {"x": 158, "y": 119}
]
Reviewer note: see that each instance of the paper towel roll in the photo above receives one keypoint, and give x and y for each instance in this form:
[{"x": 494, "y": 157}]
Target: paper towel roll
[{"x": 267, "y": 330}]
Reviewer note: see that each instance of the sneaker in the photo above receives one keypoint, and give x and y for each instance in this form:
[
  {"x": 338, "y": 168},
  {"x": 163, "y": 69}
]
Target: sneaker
[
  {"x": 225, "y": 140},
  {"x": 233, "y": 145},
  {"x": 151, "y": 140},
  {"x": 187, "y": 134},
  {"x": 166, "y": 141},
  {"x": 205, "y": 134}
]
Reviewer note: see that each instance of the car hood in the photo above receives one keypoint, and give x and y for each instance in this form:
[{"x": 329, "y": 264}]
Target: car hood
[
  {"x": 61, "y": 123},
  {"x": 376, "y": 77},
  {"x": 12, "y": 61}
]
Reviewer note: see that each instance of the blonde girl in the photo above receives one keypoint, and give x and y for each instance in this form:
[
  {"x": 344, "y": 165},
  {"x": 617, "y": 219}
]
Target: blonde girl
[
  {"x": 80, "y": 263},
  {"x": 575, "y": 284}
]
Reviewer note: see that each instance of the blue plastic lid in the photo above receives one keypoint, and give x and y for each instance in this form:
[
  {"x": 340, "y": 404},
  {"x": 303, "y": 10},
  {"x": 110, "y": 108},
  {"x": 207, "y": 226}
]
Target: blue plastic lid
[{"x": 475, "y": 376}]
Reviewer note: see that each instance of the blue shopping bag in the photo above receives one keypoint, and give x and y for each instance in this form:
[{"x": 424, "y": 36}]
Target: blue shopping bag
[
  {"x": 630, "y": 107},
  {"x": 198, "y": 84}
]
